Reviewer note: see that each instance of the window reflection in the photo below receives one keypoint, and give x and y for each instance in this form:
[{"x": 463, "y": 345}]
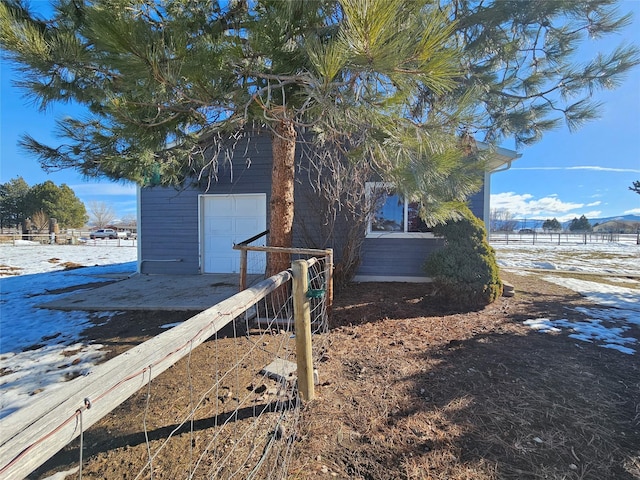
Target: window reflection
[
  {"x": 389, "y": 216},
  {"x": 393, "y": 213}
]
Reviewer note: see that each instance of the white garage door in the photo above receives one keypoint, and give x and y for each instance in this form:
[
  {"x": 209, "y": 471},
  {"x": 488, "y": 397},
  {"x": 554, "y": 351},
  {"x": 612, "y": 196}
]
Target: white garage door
[{"x": 227, "y": 220}]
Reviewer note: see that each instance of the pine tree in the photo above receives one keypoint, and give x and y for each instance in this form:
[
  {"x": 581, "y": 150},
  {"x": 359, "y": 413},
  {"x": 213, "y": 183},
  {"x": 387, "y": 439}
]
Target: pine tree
[
  {"x": 19, "y": 201},
  {"x": 166, "y": 83},
  {"x": 396, "y": 82},
  {"x": 59, "y": 202},
  {"x": 13, "y": 195},
  {"x": 580, "y": 224},
  {"x": 524, "y": 61},
  {"x": 635, "y": 187},
  {"x": 465, "y": 271},
  {"x": 551, "y": 225}
]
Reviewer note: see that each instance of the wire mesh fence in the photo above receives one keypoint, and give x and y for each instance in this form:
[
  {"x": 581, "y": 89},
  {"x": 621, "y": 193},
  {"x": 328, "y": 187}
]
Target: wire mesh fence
[
  {"x": 253, "y": 261},
  {"x": 226, "y": 409},
  {"x": 237, "y": 410}
]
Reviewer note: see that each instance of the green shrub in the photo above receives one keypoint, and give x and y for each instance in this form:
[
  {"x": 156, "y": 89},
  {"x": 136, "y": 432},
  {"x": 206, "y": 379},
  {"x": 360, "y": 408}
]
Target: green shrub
[{"x": 465, "y": 271}]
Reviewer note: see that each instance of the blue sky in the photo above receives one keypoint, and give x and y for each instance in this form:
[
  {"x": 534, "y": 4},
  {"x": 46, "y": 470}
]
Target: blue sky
[
  {"x": 17, "y": 117},
  {"x": 588, "y": 172},
  {"x": 563, "y": 176}
]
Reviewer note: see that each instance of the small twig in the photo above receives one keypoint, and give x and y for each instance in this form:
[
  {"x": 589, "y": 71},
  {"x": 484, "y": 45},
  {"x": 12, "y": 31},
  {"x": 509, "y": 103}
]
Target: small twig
[{"x": 573, "y": 452}]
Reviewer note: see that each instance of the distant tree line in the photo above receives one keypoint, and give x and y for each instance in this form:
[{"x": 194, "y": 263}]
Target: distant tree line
[
  {"x": 31, "y": 208},
  {"x": 581, "y": 224},
  {"x": 504, "y": 221}
]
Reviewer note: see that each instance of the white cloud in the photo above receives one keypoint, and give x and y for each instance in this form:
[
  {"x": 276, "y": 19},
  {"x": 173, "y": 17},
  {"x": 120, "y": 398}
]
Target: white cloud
[
  {"x": 604, "y": 169},
  {"x": 583, "y": 167},
  {"x": 592, "y": 214},
  {"x": 526, "y": 205},
  {"x": 633, "y": 211},
  {"x": 508, "y": 200},
  {"x": 593, "y": 204}
]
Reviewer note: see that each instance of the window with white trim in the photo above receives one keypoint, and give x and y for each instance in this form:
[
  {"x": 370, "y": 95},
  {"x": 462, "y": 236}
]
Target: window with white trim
[{"x": 392, "y": 213}]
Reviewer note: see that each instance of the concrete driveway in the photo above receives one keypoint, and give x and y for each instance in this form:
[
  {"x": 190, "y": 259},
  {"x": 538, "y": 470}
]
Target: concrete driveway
[{"x": 154, "y": 292}]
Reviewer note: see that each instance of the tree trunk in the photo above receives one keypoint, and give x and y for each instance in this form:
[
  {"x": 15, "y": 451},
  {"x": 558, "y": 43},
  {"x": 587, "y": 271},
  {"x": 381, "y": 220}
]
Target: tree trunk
[{"x": 283, "y": 148}]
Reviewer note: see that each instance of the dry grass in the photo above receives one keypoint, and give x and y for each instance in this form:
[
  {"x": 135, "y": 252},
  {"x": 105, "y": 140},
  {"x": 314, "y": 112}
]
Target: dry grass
[
  {"x": 415, "y": 390},
  {"x": 8, "y": 271}
]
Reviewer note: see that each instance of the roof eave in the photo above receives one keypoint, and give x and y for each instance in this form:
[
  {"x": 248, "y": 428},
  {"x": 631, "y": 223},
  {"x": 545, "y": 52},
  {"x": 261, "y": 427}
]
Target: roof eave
[{"x": 500, "y": 158}]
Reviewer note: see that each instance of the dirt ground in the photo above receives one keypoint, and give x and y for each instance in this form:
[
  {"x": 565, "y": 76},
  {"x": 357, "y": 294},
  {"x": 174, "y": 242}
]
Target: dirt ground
[{"x": 411, "y": 389}]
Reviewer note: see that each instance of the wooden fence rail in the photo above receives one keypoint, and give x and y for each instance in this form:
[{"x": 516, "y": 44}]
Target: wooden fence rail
[{"x": 30, "y": 437}]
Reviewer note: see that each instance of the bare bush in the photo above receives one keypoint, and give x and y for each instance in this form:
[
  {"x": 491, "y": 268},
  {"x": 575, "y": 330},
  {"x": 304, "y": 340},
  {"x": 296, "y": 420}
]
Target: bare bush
[
  {"x": 341, "y": 210},
  {"x": 502, "y": 220},
  {"x": 40, "y": 222}
]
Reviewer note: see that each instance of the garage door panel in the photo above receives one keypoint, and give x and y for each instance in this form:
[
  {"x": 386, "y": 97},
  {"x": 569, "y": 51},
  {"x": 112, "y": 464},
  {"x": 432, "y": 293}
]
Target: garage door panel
[
  {"x": 248, "y": 225},
  {"x": 247, "y": 207},
  {"x": 230, "y": 219},
  {"x": 223, "y": 264},
  {"x": 220, "y": 225},
  {"x": 219, "y": 244},
  {"x": 224, "y": 203}
]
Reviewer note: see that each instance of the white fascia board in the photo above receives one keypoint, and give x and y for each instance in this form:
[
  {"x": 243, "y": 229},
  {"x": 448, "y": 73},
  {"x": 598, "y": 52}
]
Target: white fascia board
[{"x": 499, "y": 158}]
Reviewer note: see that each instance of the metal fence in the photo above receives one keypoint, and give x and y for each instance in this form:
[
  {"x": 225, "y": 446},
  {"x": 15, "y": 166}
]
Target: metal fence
[
  {"x": 563, "y": 238},
  {"x": 72, "y": 238}
]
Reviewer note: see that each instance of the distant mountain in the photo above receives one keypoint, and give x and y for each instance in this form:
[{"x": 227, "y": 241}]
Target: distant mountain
[
  {"x": 537, "y": 224},
  {"x": 622, "y": 218}
]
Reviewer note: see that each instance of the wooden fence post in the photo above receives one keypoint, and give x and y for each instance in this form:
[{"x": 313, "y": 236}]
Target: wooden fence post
[
  {"x": 243, "y": 269},
  {"x": 302, "y": 323}
]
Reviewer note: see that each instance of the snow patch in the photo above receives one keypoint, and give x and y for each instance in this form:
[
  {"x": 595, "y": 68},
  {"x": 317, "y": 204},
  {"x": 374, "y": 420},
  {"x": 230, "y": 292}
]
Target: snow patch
[{"x": 39, "y": 348}]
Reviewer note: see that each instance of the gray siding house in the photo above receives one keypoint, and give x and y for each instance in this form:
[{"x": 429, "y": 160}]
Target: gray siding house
[{"x": 192, "y": 230}]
